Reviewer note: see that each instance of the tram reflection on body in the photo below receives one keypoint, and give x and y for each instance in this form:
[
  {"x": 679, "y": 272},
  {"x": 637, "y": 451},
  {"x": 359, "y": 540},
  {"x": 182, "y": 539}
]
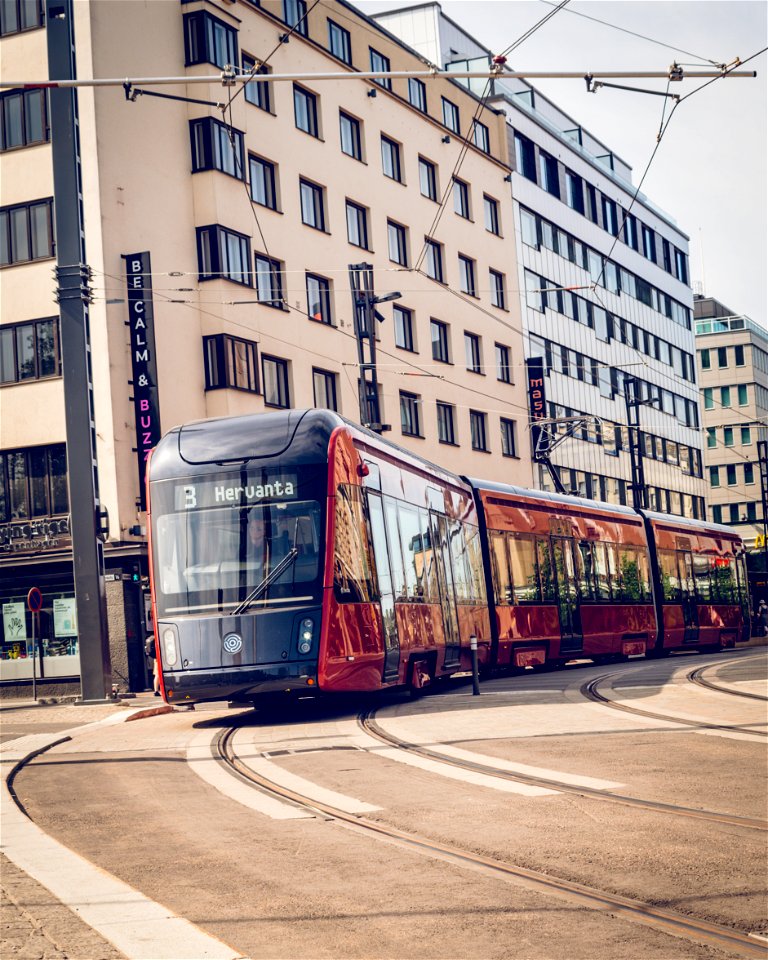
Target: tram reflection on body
[{"x": 295, "y": 552}]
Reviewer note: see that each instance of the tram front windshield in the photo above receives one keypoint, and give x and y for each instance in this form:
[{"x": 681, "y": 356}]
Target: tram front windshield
[{"x": 216, "y": 542}]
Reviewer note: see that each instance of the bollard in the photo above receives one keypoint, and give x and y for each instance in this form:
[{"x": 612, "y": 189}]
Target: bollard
[{"x": 475, "y": 670}]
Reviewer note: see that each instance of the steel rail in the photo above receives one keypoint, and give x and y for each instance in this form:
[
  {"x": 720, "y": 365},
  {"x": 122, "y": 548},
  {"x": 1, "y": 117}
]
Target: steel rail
[
  {"x": 695, "y": 676},
  {"x": 230, "y": 79},
  {"x": 589, "y": 690},
  {"x": 676, "y": 924},
  {"x": 370, "y": 726}
]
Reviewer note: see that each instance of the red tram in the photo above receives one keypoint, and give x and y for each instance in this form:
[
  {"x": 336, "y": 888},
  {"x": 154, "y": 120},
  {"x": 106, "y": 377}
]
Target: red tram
[{"x": 297, "y": 552}]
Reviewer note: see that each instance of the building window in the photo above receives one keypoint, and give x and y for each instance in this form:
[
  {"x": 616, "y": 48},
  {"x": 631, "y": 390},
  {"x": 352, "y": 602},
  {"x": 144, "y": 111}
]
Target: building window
[
  {"x": 427, "y": 179},
  {"x": 223, "y": 254},
  {"x": 263, "y": 182},
  {"x": 574, "y": 192},
  {"x": 409, "y": 414},
  {"x": 305, "y": 110},
  {"x": 312, "y": 205},
  {"x": 403, "y": 328},
  {"x": 439, "y": 334},
  {"x": 749, "y": 473},
  {"x": 630, "y": 231},
  {"x": 717, "y": 513},
  {"x": 380, "y": 64},
  {"x": 491, "y": 213},
  {"x": 467, "y": 275},
  {"x": 746, "y": 436},
  {"x": 742, "y": 393},
  {"x": 434, "y": 259},
  {"x": 722, "y": 357},
  {"x": 711, "y": 437},
  {"x": 230, "y": 362},
  {"x": 208, "y": 40},
  {"x": 508, "y": 437},
  {"x": 216, "y": 147},
  {"x": 503, "y": 368},
  {"x": 340, "y": 45},
  {"x": 417, "y": 94},
  {"x": 325, "y": 389},
  {"x": 256, "y": 92},
  {"x": 728, "y": 436},
  {"x": 714, "y": 476},
  {"x": 610, "y": 216},
  {"x": 269, "y": 281},
  {"x": 26, "y": 232},
  {"x": 730, "y": 471},
  {"x": 529, "y": 228},
  {"x": 390, "y": 159},
  {"x": 725, "y": 396},
  {"x": 19, "y": 15},
  {"x": 548, "y": 179},
  {"x": 349, "y": 129},
  {"x": 738, "y": 355},
  {"x": 461, "y": 198},
  {"x": 480, "y": 136},
  {"x": 295, "y": 15},
  {"x": 709, "y": 400},
  {"x": 396, "y": 240},
  {"x": 319, "y": 298},
  {"x": 30, "y": 351},
  {"x": 446, "y": 431},
  {"x": 649, "y": 244},
  {"x": 525, "y": 157},
  {"x": 357, "y": 225},
  {"x": 450, "y": 115},
  {"x": 472, "y": 352},
  {"x": 681, "y": 265},
  {"x": 23, "y": 119},
  {"x": 498, "y": 297},
  {"x": 477, "y": 429},
  {"x": 590, "y": 207},
  {"x": 33, "y": 483},
  {"x": 706, "y": 362},
  {"x": 274, "y": 376}
]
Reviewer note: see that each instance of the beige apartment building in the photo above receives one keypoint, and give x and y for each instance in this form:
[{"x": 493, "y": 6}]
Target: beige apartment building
[
  {"x": 732, "y": 358},
  {"x": 243, "y": 223}
]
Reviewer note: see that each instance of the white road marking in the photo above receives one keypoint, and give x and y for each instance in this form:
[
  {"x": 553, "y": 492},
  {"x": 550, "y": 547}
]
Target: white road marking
[
  {"x": 138, "y": 927},
  {"x": 201, "y": 761}
]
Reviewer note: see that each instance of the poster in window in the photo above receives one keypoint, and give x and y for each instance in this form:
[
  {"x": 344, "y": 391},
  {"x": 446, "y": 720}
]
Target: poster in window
[
  {"x": 64, "y": 617},
  {"x": 14, "y": 622}
]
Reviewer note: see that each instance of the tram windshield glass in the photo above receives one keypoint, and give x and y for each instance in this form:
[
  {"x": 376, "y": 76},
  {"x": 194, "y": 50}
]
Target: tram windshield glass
[{"x": 215, "y": 540}]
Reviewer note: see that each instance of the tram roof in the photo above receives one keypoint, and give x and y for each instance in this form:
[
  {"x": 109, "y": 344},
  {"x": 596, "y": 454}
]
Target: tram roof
[
  {"x": 706, "y": 526},
  {"x": 596, "y": 506}
]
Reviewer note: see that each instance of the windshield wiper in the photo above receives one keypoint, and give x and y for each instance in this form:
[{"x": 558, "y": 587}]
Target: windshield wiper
[{"x": 270, "y": 578}]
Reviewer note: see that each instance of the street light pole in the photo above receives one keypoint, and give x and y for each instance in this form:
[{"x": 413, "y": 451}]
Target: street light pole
[{"x": 73, "y": 295}]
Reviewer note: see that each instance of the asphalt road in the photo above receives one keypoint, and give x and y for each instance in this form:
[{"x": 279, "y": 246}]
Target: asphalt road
[{"x": 148, "y": 803}]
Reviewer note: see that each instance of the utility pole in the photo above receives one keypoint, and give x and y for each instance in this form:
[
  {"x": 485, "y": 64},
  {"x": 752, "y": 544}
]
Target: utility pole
[
  {"x": 634, "y": 401},
  {"x": 364, "y": 309},
  {"x": 73, "y": 295}
]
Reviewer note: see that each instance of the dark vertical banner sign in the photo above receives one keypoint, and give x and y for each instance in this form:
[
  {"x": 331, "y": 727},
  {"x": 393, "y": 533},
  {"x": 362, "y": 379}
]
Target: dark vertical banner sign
[
  {"x": 141, "y": 320},
  {"x": 537, "y": 402}
]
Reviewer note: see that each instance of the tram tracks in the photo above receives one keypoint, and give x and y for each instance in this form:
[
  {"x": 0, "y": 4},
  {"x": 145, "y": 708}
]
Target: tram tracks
[
  {"x": 696, "y": 676},
  {"x": 371, "y": 727},
  {"x": 668, "y": 921}
]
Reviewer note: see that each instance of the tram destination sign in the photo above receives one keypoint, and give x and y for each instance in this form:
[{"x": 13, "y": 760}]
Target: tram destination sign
[
  {"x": 270, "y": 487},
  {"x": 141, "y": 320},
  {"x": 537, "y": 403}
]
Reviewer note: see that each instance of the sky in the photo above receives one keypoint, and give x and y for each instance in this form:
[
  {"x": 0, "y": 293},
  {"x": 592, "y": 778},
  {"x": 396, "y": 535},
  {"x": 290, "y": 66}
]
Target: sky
[{"x": 710, "y": 171}]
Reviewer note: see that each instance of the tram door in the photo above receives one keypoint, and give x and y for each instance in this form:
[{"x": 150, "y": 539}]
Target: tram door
[
  {"x": 566, "y": 568},
  {"x": 441, "y": 545},
  {"x": 688, "y": 597},
  {"x": 386, "y": 590}
]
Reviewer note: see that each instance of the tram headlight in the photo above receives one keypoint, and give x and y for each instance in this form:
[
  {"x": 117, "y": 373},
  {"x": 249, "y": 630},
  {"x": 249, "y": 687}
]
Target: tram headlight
[
  {"x": 170, "y": 650},
  {"x": 306, "y": 631}
]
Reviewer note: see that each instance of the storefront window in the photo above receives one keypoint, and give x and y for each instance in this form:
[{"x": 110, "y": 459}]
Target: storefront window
[{"x": 54, "y": 638}]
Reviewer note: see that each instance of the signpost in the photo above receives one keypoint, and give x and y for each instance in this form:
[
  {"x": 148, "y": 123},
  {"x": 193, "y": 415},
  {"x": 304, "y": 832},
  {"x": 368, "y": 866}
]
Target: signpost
[{"x": 34, "y": 605}]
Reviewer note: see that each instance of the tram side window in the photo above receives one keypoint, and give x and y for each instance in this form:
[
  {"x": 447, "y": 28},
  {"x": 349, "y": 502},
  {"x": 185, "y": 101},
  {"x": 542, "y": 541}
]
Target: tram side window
[
  {"x": 500, "y": 565},
  {"x": 461, "y": 575},
  {"x": 633, "y": 568},
  {"x": 723, "y": 581},
  {"x": 413, "y": 552},
  {"x": 525, "y": 578},
  {"x": 602, "y": 572},
  {"x": 475, "y": 558},
  {"x": 546, "y": 571},
  {"x": 586, "y": 557},
  {"x": 353, "y": 561},
  {"x": 701, "y": 577},
  {"x": 430, "y": 559},
  {"x": 670, "y": 580},
  {"x": 743, "y": 584},
  {"x": 395, "y": 551},
  {"x": 644, "y": 565}
]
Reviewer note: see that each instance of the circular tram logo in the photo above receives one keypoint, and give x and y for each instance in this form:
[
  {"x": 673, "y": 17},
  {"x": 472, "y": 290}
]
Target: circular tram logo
[{"x": 233, "y": 643}]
